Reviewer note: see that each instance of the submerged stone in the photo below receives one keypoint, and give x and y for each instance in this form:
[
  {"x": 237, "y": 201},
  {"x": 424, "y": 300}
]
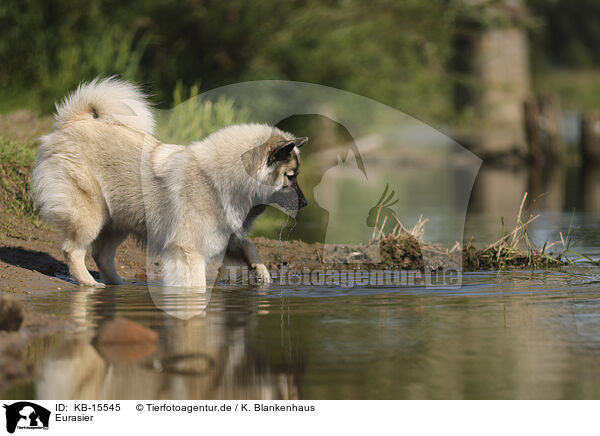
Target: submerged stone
[{"x": 11, "y": 314}]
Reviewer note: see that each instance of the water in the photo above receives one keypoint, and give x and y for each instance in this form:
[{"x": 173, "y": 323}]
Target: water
[{"x": 520, "y": 334}]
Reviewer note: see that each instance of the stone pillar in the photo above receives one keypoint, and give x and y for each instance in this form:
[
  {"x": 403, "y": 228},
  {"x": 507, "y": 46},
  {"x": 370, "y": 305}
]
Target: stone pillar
[{"x": 500, "y": 76}]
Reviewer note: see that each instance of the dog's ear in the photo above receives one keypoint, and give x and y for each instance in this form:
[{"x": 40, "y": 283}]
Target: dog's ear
[
  {"x": 300, "y": 141},
  {"x": 281, "y": 152}
]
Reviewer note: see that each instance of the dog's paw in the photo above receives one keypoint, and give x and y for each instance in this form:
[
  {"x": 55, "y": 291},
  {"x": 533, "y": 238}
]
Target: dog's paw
[{"x": 262, "y": 273}]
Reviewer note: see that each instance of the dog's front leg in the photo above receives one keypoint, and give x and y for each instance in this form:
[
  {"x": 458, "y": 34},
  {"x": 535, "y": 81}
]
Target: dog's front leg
[
  {"x": 255, "y": 262},
  {"x": 183, "y": 266}
]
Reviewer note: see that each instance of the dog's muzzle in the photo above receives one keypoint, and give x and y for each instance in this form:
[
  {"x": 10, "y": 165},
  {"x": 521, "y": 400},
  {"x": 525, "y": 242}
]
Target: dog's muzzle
[{"x": 290, "y": 198}]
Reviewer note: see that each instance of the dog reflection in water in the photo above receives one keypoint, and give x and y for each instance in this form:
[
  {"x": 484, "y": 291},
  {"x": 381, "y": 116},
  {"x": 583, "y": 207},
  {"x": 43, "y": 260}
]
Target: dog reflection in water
[{"x": 210, "y": 356}]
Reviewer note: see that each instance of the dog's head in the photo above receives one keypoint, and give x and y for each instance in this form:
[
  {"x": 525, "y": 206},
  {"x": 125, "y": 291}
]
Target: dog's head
[
  {"x": 276, "y": 166},
  {"x": 283, "y": 166}
]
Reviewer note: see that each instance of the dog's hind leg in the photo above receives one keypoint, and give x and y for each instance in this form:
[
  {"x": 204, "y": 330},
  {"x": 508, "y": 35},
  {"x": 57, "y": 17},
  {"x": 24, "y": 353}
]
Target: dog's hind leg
[
  {"x": 79, "y": 227},
  {"x": 104, "y": 250},
  {"x": 75, "y": 258},
  {"x": 183, "y": 266},
  {"x": 74, "y": 247}
]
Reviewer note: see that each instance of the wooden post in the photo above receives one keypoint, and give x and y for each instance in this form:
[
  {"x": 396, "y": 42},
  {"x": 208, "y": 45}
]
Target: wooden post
[
  {"x": 532, "y": 130},
  {"x": 590, "y": 137},
  {"x": 551, "y": 124},
  {"x": 543, "y": 130}
]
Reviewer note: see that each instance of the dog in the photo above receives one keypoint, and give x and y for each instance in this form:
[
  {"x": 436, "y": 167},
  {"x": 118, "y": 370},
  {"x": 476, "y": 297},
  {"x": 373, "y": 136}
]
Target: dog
[{"x": 101, "y": 175}]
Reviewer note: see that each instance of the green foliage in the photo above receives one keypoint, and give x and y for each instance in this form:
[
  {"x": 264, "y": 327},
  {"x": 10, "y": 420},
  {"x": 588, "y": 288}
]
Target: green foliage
[
  {"x": 114, "y": 51},
  {"x": 49, "y": 47},
  {"x": 16, "y": 153},
  {"x": 16, "y": 161},
  {"x": 402, "y": 53},
  {"x": 193, "y": 118},
  {"x": 273, "y": 224},
  {"x": 394, "y": 52},
  {"x": 578, "y": 90},
  {"x": 568, "y": 35}
]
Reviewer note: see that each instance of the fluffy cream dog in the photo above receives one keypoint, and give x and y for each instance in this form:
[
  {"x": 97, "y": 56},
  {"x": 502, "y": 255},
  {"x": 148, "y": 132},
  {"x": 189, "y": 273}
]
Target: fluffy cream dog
[{"x": 102, "y": 175}]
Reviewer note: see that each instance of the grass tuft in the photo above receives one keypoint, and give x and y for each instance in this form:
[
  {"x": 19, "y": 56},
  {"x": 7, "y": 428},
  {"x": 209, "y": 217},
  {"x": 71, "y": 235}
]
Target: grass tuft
[{"x": 16, "y": 161}]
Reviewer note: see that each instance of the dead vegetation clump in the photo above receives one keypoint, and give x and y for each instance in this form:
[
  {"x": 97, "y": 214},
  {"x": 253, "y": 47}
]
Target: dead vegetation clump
[
  {"x": 402, "y": 247},
  {"x": 507, "y": 251},
  {"x": 401, "y": 251}
]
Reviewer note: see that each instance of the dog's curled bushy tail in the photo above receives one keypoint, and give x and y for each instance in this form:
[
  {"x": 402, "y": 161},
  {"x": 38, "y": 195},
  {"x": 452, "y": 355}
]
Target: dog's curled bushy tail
[{"x": 110, "y": 100}]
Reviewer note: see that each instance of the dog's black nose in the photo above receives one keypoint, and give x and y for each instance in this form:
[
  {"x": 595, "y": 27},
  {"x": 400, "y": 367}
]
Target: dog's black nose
[{"x": 302, "y": 202}]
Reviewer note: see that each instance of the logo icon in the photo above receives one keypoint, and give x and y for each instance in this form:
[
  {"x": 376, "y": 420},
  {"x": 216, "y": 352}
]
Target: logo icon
[{"x": 26, "y": 415}]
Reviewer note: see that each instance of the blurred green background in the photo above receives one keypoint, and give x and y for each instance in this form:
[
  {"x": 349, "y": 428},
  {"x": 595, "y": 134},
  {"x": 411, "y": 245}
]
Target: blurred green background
[
  {"x": 465, "y": 67},
  {"x": 402, "y": 53}
]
